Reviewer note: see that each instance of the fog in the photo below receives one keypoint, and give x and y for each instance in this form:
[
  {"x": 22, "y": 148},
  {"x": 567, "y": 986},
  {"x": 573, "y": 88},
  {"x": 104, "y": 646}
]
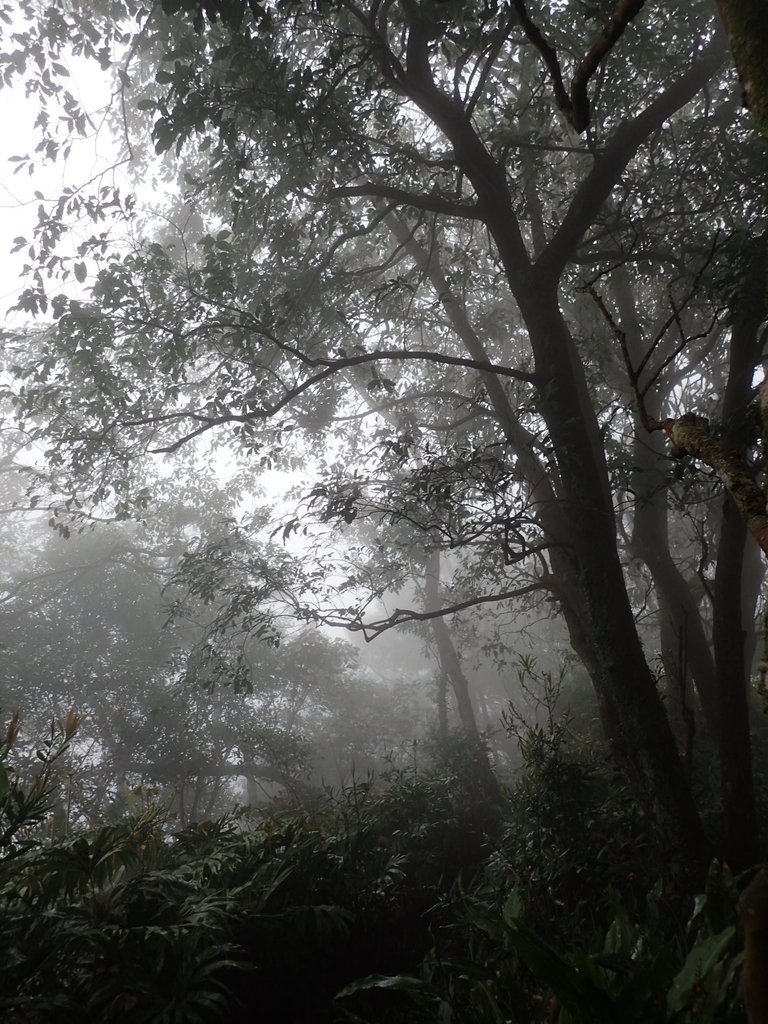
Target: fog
[
  {"x": 250, "y": 456},
  {"x": 383, "y": 432}
]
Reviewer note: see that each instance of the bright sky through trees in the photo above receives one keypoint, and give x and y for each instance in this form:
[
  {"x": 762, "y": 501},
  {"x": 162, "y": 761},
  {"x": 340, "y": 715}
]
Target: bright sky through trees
[
  {"x": 489, "y": 274},
  {"x": 92, "y": 155}
]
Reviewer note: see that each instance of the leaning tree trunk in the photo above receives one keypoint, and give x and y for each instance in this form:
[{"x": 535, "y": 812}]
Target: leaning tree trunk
[
  {"x": 678, "y": 607},
  {"x": 620, "y": 674}
]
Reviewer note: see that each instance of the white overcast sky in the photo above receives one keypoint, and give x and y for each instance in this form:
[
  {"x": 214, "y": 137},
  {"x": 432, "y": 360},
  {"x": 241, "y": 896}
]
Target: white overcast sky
[{"x": 18, "y": 205}]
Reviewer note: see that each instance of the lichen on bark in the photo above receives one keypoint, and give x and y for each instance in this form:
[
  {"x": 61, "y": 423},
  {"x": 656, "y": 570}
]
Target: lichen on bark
[{"x": 691, "y": 435}]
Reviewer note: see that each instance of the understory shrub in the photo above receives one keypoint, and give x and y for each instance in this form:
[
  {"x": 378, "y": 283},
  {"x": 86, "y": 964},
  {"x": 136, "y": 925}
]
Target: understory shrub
[{"x": 409, "y": 900}]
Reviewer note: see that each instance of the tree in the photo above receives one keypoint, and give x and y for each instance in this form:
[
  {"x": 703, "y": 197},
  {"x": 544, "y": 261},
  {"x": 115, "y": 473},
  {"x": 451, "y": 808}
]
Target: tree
[
  {"x": 168, "y": 706},
  {"x": 747, "y": 28},
  {"x": 391, "y": 190}
]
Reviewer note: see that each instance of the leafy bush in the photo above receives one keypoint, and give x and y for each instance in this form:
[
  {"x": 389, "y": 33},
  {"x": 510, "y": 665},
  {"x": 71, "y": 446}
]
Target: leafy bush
[
  {"x": 413, "y": 897},
  {"x": 575, "y": 868},
  {"x": 129, "y": 922},
  {"x": 640, "y": 972},
  {"x": 573, "y": 836}
]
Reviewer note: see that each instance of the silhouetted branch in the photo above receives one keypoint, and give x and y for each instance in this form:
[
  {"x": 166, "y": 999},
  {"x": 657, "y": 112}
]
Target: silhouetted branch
[
  {"x": 399, "y": 616},
  {"x": 575, "y": 104},
  {"x": 419, "y": 201},
  {"x": 331, "y": 367}
]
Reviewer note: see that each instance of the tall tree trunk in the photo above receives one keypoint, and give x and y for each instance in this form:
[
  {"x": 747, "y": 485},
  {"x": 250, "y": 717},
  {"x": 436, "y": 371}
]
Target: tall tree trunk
[
  {"x": 650, "y": 542},
  {"x": 598, "y": 607},
  {"x": 679, "y": 608},
  {"x": 450, "y": 664},
  {"x": 674, "y": 642},
  {"x": 740, "y": 846},
  {"x": 442, "y": 704},
  {"x": 450, "y": 667},
  {"x": 620, "y": 672},
  {"x": 752, "y": 578},
  {"x": 738, "y": 798},
  {"x": 576, "y": 512}
]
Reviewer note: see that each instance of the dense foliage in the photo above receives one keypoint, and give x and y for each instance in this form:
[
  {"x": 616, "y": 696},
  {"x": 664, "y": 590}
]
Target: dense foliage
[{"x": 410, "y": 900}]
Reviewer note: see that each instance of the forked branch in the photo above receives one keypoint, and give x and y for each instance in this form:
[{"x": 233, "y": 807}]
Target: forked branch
[
  {"x": 692, "y": 435},
  {"x": 574, "y": 102}
]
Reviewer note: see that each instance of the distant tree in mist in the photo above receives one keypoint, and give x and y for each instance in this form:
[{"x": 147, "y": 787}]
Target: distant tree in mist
[{"x": 475, "y": 268}]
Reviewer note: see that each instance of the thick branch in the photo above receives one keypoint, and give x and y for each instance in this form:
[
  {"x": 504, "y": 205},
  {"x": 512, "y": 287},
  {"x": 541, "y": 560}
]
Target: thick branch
[
  {"x": 575, "y": 105},
  {"x": 548, "y": 55},
  {"x": 423, "y": 201},
  {"x": 691, "y": 435},
  {"x": 487, "y": 176},
  {"x": 610, "y": 164},
  {"x": 623, "y": 13}
]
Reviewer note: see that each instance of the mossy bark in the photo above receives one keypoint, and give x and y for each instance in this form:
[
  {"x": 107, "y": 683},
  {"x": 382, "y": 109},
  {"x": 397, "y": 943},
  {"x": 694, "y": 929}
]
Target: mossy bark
[{"x": 691, "y": 435}]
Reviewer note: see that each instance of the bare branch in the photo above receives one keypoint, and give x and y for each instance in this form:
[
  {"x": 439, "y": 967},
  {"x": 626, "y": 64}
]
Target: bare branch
[
  {"x": 371, "y": 630},
  {"x": 635, "y": 372},
  {"x": 691, "y": 435},
  {"x": 674, "y": 317},
  {"x": 685, "y": 341},
  {"x": 621, "y": 337}
]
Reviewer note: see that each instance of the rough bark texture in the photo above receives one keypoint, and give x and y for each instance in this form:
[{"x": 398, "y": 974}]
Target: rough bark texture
[
  {"x": 746, "y": 22},
  {"x": 691, "y": 435}
]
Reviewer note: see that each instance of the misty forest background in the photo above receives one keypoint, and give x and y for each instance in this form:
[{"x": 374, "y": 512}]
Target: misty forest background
[{"x": 381, "y": 467}]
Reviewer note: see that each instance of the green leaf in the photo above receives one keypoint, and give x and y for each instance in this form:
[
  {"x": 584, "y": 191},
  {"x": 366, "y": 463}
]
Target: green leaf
[
  {"x": 399, "y": 982},
  {"x": 700, "y": 961}
]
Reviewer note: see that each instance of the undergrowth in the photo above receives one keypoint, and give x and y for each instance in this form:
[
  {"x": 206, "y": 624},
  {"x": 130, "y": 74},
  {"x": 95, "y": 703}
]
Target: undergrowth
[{"x": 405, "y": 899}]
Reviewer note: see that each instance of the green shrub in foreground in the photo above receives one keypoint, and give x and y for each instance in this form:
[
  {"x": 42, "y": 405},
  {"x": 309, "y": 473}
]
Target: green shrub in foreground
[{"x": 443, "y": 908}]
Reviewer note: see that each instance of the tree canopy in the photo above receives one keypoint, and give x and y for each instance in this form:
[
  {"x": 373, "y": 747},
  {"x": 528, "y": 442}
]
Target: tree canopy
[{"x": 472, "y": 267}]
